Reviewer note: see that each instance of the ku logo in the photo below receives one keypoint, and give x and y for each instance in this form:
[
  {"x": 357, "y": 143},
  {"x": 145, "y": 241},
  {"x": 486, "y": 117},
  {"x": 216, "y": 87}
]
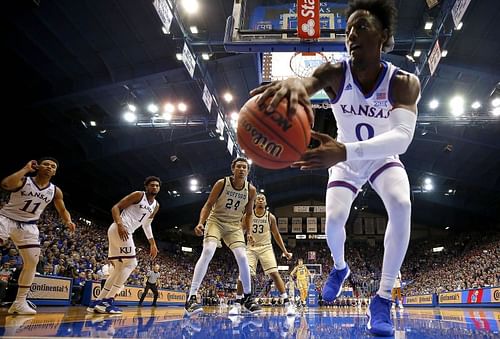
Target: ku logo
[
  {"x": 308, "y": 27},
  {"x": 126, "y": 250}
]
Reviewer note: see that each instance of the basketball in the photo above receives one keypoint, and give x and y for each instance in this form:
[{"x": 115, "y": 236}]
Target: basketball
[{"x": 270, "y": 139}]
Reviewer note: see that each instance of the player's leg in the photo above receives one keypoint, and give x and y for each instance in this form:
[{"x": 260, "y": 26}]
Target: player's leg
[
  {"x": 340, "y": 194},
  {"x": 252, "y": 263},
  {"x": 213, "y": 234},
  {"x": 235, "y": 240},
  {"x": 270, "y": 267},
  {"x": 392, "y": 185},
  {"x": 122, "y": 254},
  {"x": 25, "y": 237}
]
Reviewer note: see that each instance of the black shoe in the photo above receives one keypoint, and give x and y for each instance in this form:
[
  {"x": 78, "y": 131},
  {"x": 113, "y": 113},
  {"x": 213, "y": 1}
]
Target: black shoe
[
  {"x": 140, "y": 305},
  {"x": 192, "y": 306},
  {"x": 153, "y": 305},
  {"x": 250, "y": 305}
]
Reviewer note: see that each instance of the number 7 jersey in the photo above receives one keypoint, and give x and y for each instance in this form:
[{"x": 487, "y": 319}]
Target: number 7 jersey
[
  {"x": 230, "y": 204},
  {"x": 135, "y": 215},
  {"x": 360, "y": 117}
]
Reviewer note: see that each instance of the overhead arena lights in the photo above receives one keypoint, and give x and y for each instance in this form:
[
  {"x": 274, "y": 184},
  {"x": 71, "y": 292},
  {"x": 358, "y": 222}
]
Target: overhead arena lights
[
  {"x": 129, "y": 117},
  {"x": 457, "y": 106},
  {"x": 190, "y": 6},
  {"x": 433, "y": 104}
]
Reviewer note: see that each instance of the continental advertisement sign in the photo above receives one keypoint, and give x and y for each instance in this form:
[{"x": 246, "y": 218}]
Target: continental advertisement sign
[
  {"x": 53, "y": 290},
  {"x": 426, "y": 299},
  {"x": 132, "y": 294},
  {"x": 450, "y": 298},
  {"x": 495, "y": 295}
]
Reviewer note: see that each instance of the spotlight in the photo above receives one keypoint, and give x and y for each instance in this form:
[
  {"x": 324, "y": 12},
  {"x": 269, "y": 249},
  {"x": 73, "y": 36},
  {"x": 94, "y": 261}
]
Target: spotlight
[{"x": 433, "y": 104}]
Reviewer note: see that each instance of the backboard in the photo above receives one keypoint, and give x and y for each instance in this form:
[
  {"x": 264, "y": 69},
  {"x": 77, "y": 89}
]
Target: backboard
[
  {"x": 271, "y": 26},
  {"x": 284, "y": 65}
]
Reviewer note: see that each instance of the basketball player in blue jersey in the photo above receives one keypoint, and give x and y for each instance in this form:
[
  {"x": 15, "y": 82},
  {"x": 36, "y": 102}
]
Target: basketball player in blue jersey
[
  {"x": 29, "y": 196},
  {"x": 230, "y": 199},
  {"x": 375, "y": 105},
  {"x": 133, "y": 211}
]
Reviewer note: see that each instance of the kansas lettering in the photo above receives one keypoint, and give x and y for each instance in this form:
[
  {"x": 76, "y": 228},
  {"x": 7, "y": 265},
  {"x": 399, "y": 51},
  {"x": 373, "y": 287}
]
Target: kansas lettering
[
  {"x": 366, "y": 110},
  {"x": 38, "y": 195}
]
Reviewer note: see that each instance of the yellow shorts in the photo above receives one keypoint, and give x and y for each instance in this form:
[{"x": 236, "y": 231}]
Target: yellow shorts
[
  {"x": 302, "y": 284},
  {"x": 232, "y": 234},
  {"x": 264, "y": 255},
  {"x": 396, "y": 292}
]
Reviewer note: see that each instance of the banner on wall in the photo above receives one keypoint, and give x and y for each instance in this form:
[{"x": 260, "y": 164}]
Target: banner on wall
[
  {"x": 495, "y": 295},
  {"x": 296, "y": 225},
  {"x": 475, "y": 296},
  {"x": 369, "y": 225},
  {"x": 132, "y": 294},
  {"x": 450, "y": 298},
  {"x": 312, "y": 224},
  {"x": 283, "y": 225},
  {"x": 426, "y": 299},
  {"x": 47, "y": 290}
]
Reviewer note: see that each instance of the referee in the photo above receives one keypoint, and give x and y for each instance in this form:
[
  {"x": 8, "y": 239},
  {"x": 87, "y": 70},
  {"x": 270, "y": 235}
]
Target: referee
[{"x": 151, "y": 280}]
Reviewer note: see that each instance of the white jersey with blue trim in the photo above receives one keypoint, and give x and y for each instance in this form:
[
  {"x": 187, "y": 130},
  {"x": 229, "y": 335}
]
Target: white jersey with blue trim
[
  {"x": 135, "y": 215},
  {"x": 360, "y": 117},
  {"x": 28, "y": 202}
]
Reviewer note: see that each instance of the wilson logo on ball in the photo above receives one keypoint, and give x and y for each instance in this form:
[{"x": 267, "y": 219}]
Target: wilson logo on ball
[
  {"x": 280, "y": 120},
  {"x": 262, "y": 141}
]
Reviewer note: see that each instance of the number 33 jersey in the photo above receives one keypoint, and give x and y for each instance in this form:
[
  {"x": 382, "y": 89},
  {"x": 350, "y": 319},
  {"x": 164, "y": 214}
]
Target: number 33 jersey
[
  {"x": 361, "y": 117},
  {"x": 261, "y": 229},
  {"x": 230, "y": 204},
  {"x": 27, "y": 203}
]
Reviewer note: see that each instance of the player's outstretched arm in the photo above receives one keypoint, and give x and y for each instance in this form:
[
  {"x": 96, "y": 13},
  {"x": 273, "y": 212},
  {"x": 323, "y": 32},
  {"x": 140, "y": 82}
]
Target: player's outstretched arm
[
  {"x": 148, "y": 231},
  {"x": 207, "y": 207},
  {"x": 277, "y": 236},
  {"x": 62, "y": 211},
  {"x": 296, "y": 90},
  {"x": 403, "y": 119}
]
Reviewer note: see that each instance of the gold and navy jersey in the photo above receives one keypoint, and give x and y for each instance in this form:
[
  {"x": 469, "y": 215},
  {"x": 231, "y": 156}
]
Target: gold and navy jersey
[
  {"x": 230, "y": 204},
  {"x": 261, "y": 229}
]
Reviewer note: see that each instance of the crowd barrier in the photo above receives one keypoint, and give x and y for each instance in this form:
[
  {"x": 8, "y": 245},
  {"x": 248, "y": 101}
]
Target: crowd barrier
[
  {"x": 130, "y": 295},
  {"x": 484, "y": 297}
]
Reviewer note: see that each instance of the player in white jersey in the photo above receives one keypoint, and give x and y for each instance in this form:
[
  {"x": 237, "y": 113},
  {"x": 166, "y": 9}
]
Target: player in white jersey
[
  {"x": 133, "y": 211},
  {"x": 260, "y": 249},
  {"x": 230, "y": 198},
  {"x": 375, "y": 106},
  {"x": 29, "y": 196}
]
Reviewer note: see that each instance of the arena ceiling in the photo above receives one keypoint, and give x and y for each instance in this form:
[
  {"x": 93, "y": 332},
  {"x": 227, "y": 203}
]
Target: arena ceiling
[{"x": 70, "y": 62}]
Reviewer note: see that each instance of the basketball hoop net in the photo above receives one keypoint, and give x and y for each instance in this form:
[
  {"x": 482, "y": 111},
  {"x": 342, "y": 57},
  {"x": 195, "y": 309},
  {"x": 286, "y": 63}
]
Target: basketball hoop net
[{"x": 303, "y": 64}]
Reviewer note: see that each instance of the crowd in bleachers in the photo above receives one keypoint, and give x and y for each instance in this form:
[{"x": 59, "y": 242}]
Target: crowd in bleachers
[{"x": 469, "y": 260}]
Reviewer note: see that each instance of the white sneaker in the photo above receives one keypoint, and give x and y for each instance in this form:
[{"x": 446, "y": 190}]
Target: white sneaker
[
  {"x": 21, "y": 308},
  {"x": 290, "y": 309},
  {"x": 236, "y": 309}
]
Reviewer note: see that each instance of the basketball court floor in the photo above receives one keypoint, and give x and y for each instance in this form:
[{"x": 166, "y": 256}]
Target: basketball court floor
[{"x": 170, "y": 322}]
